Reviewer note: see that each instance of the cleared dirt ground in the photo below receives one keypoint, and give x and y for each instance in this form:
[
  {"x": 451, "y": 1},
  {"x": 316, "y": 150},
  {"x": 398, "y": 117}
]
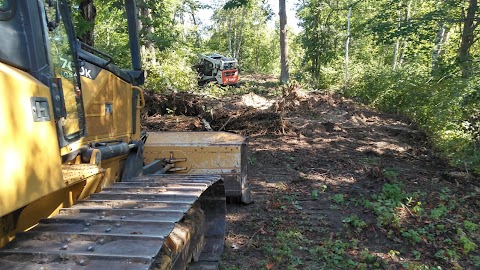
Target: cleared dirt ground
[{"x": 336, "y": 185}]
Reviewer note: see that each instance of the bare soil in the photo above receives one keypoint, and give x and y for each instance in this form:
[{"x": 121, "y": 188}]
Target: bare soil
[{"x": 324, "y": 171}]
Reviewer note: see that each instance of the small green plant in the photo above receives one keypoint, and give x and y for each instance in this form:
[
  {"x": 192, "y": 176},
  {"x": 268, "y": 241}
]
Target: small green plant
[
  {"x": 386, "y": 205},
  {"x": 286, "y": 245},
  {"x": 314, "y": 194},
  {"x": 393, "y": 253},
  {"x": 448, "y": 255},
  {"x": 470, "y": 226},
  {"x": 417, "y": 209},
  {"x": 251, "y": 160},
  {"x": 418, "y": 266},
  {"x": 439, "y": 211},
  {"x": 289, "y": 157},
  {"x": 334, "y": 255},
  {"x": 370, "y": 160},
  {"x": 444, "y": 194},
  {"x": 476, "y": 260},
  {"x": 338, "y": 198},
  {"x": 391, "y": 173},
  {"x": 452, "y": 254},
  {"x": 366, "y": 256},
  {"x": 468, "y": 245},
  {"x": 416, "y": 254},
  {"x": 355, "y": 222},
  {"x": 277, "y": 221},
  {"x": 412, "y": 235},
  {"x": 441, "y": 254},
  {"x": 440, "y": 227}
]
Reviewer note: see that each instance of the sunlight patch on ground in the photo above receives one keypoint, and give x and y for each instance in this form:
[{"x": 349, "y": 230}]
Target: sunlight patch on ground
[
  {"x": 235, "y": 241},
  {"x": 237, "y": 217},
  {"x": 255, "y": 101},
  {"x": 382, "y": 147}
]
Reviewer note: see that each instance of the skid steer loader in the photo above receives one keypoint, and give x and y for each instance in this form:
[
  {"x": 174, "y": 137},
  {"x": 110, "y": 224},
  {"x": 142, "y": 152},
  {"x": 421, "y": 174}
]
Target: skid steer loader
[
  {"x": 217, "y": 68},
  {"x": 82, "y": 187}
]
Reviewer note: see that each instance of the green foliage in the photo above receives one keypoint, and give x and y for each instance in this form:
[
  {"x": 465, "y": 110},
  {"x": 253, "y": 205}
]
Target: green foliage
[
  {"x": 251, "y": 160},
  {"x": 355, "y": 222},
  {"x": 445, "y": 109},
  {"x": 390, "y": 173},
  {"x": 467, "y": 243},
  {"x": 110, "y": 34},
  {"x": 412, "y": 235},
  {"x": 242, "y": 25},
  {"x": 393, "y": 253},
  {"x": 333, "y": 254},
  {"x": 416, "y": 254},
  {"x": 439, "y": 212},
  {"x": 287, "y": 243},
  {"x": 338, "y": 198},
  {"x": 470, "y": 226},
  {"x": 391, "y": 67},
  {"x": 321, "y": 38},
  {"x": 386, "y": 204},
  {"x": 403, "y": 58},
  {"x": 173, "y": 71},
  {"x": 476, "y": 260}
]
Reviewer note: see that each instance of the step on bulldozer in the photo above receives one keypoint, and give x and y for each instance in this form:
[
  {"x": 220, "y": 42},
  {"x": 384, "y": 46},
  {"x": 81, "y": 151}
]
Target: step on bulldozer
[
  {"x": 217, "y": 68},
  {"x": 82, "y": 187}
]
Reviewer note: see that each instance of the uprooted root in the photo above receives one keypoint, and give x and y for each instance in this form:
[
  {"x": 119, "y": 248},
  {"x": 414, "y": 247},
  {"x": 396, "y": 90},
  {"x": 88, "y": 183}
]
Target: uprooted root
[{"x": 187, "y": 111}]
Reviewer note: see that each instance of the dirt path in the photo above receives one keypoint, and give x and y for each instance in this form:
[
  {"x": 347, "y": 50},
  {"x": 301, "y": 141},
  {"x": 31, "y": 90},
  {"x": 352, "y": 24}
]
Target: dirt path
[{"x": 343, "y": 188}]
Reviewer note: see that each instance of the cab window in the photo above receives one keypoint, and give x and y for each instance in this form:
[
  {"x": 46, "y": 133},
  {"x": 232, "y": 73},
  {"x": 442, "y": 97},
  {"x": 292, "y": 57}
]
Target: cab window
[
  {"x": 63, "y": 65},
  {"x": 4, "y": 5}
]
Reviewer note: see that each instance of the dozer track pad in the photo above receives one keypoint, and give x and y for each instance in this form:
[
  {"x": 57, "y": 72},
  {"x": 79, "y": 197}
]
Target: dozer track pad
[{"x": 148, "y": 222}]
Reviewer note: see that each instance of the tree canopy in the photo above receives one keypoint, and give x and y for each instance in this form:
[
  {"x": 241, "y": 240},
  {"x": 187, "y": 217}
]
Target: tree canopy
[{"x": 413, "y": 57}]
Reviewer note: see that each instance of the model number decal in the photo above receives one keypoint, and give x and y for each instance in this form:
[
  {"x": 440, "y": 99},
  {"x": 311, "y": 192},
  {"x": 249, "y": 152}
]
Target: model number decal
[{"x": 84, "y": 71}]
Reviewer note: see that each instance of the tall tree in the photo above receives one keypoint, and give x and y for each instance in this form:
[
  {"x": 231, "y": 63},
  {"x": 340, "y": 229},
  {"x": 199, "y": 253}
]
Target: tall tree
[
  {"x": 347, "y": 43},
  {"x": 284, "y": 69},
  {"x": 322, "y": 37},
  {"x": 468, "y": 38},
  {"x": 88, "y": 13},
  {"x": 442, "y": 37},
  {"x": 232, "y": 7},
  {"x": 146, "y": 27}
]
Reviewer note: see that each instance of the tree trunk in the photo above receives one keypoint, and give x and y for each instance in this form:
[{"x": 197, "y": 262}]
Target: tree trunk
[
  {"x": 195, "y": 23},
  {"x": 468, "y": 39},
  {"x": 148, "y": 49},
  {"x": 88, "y": 13},
  {"x": 284, "y": 75},
  {"x": 229, "y": 35},
  {"x": 346, "y": 45},
  {"x": 405, "y": 40},
  {"x": 239, "y": 43},
  {"x": 397, "y": 42},
  {"x": 234, "y": 49},
  {"x": 442, "y": 37}
]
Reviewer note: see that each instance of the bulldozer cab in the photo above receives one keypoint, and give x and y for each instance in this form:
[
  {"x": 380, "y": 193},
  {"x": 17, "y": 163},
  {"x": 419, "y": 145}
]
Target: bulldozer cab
[{"x": 49, "y": 57}]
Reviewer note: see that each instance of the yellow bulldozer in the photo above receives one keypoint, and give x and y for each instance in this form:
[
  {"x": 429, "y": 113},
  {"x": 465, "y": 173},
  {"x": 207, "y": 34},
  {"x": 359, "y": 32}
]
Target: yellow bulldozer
[{"x": 82, "y": 187}]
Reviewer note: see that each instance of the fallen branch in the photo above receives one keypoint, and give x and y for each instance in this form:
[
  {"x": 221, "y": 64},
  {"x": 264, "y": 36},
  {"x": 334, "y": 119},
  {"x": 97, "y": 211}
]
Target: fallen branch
[
  {"x": 408, "y": 210},
  {"x": 224, "y": 125}
]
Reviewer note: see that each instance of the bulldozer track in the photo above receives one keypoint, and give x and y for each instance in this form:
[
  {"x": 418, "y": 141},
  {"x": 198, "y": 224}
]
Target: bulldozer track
[{"x": 148, "y": 222}]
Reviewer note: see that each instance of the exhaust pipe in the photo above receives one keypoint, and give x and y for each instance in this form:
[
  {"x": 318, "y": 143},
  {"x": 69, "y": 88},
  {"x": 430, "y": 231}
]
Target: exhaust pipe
[{"x": 137, "y": 73}]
